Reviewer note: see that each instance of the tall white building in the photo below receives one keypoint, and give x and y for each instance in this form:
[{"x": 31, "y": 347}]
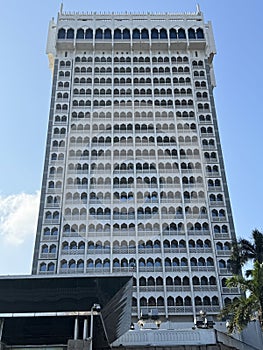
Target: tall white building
[{"x": 134, "y": 180}]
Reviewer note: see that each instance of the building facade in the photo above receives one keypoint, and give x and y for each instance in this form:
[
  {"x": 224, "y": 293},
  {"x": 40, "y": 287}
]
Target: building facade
[{"x": 134, "y": 180}]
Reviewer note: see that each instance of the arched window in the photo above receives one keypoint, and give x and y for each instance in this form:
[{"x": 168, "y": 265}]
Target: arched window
[
  {"x": 191, "y": 33},
  {"x": 154, "y": 33},
  {"x": 163, "y": 34},
  {"x": 80, "y": 264},
  {"x": 144, "y": 34},
  {"x": 70, "y": 33},
  {"x": 215, "y": 301},
  {"x": 200, "y": 33},
  {"x": 117, "y": 34},
  {"x": 173, "y": 34},
  {"x": 170, "y": 301},
  {"x": 98, "y": 34},
  {"x": 107, "y": 34},
  {"x": 90, "y": 263},
  {"x": 80, "y": 33},
  {"x": 61, "y": 33},
  {"x": 187, "y": 301},
  {"x": 126, "y": 34},
  {"x": 42, "y": 267},
  {"x": 143, "y": 301},
  {"x": 51, "y": 266},
  {"x": 179, "y": 301},
  {"x": 136, "y": 34},
  {"x": 89, "y": 34},
  {"x": 44, "y": 249},
  {"x": 181, "y": 34}
]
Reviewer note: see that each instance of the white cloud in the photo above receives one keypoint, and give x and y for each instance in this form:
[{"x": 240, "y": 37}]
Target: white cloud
[{"x": 18, "y": 217}]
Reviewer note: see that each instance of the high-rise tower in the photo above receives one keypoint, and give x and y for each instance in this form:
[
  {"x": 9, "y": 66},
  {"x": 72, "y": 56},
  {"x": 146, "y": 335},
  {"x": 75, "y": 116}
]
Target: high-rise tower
[{"x": 134, "y": 181}]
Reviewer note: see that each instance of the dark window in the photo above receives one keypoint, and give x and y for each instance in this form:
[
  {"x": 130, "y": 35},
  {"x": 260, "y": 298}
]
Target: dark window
[
  {"x": 107, "y": 34},
  {"x": 89, "y": 34},
  {"x": 98, "y": 34},
  {"x": 70, "y": 33},
  {"x": 181, "y": 34},
  {"x": 61, "y": 33},
  {"x": 145, "y": 34},
  {"x": 163, "y": 34},
  {"x": 117, "y": 34},
  {"x": 191, "y": 33},
  {"x": 126, "y": 34},
  {"x": 136, "y": 34},
  {"x": 200, "y": 33},
  {"x": 154, "y": 34},
  {"x": 80, "y": 33},
  {"x": 173, "y": 34}
]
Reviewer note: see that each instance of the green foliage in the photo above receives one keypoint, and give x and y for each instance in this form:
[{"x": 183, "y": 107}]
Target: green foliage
[
  {"x": 249, "y": 306},
  {"x": 244, "y": 251},
  {"x": 239, "y": 313}
]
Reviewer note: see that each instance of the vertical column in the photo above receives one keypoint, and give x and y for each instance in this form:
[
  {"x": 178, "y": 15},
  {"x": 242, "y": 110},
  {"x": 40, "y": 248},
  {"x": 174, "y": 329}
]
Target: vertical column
[
  {"x": 85, "y": 328},
  {"x": 2, "y": 320},
  {"x": 76, "y": 328},
  {"x": 91, "y": 329}
]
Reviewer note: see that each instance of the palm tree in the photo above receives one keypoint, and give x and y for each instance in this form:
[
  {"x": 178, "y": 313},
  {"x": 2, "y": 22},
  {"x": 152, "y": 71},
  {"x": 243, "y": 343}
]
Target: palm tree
[
  {"x": 243, "y": 251},
  {"x": 250, "y": 305},
  {"x": 252, "y": 251},
  {"x": 236, "y": 260}
]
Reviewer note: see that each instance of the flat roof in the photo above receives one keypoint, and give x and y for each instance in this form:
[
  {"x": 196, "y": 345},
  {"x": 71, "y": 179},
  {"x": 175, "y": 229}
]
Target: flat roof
[{"x": 42, "y": 309}]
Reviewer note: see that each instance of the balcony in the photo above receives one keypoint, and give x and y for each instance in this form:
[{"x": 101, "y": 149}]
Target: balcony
[
  {"x": 208, "y": 308},
  {"x": 71, "y": 270},
  {"x": 175, "y": 250},
  {"x": 98, "y": 270},
  {"x": 128, "y": 233},
  {"x": 51, "y": 221},
  {"x": 148, "y": 233},
  {"x": 205, "y": 288},
  {"x": 216, "y": 203},
  {"x": 122, "y": 269},
  {"x": 201, "y": 250},
  {"x": 73, "y": 234},
  {"x": 230, "y": 290},
  {"x": 123, "y": 250},
  {"x": 124, "y": 217},
  {"x": 48, "y": 256},
  {"x": 149, "y": 289},
  {"x": 203, "y": 268},
  {"x": 150, "y": 269},
  {"x": 73, "y": 251},
  {"x": 149, "y": 250},
  {"x": 46, "y": 272},
  {"x": 221, "y": 252},
  {"x": 219, "y": 219},
  {"x": 176, "y": 268},
  {"x": 198, "y": 232},
  {"x": 178, "y": 288},
  {"x": 98, "y": 251},
  {"x": 222, "y": 235},
  {"x": 49, "y": 238},
  {"x": 174, "y": 233},
  {"x": 53, "y": 205},
  {"x": 180, "y": 310},
  {"x": 225, "y": 271}
]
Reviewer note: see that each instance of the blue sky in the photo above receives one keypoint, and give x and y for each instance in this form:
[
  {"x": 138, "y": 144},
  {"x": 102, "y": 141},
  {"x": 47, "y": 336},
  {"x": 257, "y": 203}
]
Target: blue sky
[{"x": 25, "y": 93}]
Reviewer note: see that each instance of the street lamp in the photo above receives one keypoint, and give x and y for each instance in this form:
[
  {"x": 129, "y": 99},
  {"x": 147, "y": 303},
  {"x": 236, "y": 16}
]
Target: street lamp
[{"x": 95, "y": 308}]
